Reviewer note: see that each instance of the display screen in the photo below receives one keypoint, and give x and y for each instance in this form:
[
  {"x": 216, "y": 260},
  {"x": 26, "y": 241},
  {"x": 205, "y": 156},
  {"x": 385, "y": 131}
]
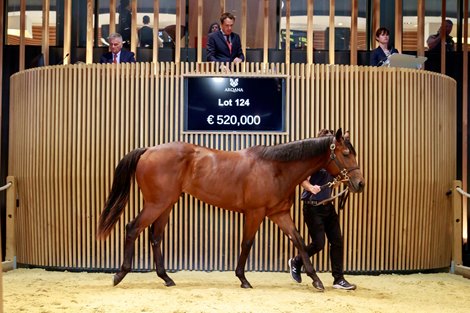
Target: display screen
[{"x": 234, "y": 104}]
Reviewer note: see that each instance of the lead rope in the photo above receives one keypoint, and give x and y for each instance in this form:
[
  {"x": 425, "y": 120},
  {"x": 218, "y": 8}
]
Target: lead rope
[{"x": 334, "y": 197}]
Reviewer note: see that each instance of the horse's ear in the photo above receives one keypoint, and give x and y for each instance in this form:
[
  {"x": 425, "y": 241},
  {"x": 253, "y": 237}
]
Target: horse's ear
[{"x": 339, "y": 134}]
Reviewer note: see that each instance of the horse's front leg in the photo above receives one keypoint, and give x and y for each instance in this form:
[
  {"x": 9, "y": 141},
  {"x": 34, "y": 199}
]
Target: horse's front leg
[
  {"x": 285, "y": 223},
  {"x": 156, "y": 236},
  {"x": 252, "y": 222}
]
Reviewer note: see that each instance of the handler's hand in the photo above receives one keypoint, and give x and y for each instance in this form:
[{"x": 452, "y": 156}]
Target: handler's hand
[{"x": 315, "y": 189}]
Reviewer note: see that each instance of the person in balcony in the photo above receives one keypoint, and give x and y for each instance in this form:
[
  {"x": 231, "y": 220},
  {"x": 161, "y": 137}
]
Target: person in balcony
[
  {"x": 146, "y": 33},
  {"x": 116, "y": 54},
  {"x": 434, "y": 41},
  {"x": 380, "y": 55},
  {"x": 225, "y": 45}
]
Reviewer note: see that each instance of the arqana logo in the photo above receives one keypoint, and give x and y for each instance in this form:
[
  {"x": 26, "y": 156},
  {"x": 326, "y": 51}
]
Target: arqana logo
[{"x": 234, "y": 82}]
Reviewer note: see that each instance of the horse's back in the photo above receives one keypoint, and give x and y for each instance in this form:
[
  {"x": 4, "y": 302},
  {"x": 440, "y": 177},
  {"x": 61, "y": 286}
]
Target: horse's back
[
  {"x": 183, "y": 161},
  {"x": 205, "y": 173}
]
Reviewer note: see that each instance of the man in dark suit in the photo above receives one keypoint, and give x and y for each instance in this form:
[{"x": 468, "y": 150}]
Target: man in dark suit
[
  {"x": 146, "y": 34},
  {"x": 116, "y": 54},
  {"x": 225, "y": 45}
]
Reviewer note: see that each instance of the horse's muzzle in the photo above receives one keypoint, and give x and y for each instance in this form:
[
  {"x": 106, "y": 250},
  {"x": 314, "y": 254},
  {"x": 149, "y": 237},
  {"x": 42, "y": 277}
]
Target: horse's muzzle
[{"x": 357, "y": 185}]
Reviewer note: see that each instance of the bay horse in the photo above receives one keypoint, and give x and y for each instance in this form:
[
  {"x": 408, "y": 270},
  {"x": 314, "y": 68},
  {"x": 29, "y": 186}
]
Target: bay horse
[{"x": 259, "y": 182}]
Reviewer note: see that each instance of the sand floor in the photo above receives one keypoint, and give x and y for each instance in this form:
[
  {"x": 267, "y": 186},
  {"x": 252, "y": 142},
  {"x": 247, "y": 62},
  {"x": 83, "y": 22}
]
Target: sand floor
[{"x": 37, "y": 290}]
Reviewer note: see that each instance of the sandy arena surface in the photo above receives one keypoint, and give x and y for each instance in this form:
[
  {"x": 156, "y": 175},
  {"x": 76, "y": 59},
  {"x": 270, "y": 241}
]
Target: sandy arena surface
[{"x": 37, "y": 290}]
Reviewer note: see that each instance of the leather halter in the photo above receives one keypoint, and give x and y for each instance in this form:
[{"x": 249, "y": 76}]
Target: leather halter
[{"x": 343, "y": 175}]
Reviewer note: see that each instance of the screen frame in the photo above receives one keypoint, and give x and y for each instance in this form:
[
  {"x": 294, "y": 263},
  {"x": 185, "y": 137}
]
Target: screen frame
[{"x": 284, "y": 104}]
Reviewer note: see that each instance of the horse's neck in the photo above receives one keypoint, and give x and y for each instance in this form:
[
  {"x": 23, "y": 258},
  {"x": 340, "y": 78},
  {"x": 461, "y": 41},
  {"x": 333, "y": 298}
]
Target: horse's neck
[
  {"x": 297, "y": 160},
  {"x": 300, "y": 170},
  {"x": 313, "y": 164}
]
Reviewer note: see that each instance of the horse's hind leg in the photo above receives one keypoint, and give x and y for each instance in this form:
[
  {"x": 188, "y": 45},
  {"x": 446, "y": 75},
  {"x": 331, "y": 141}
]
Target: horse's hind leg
[
  {"x": 252, "y": 222},
  {"x": 156, "y": 236},
  {"x": 133, "y": 229},
  {"x": 131, "y": 235},
  {"x": 285, "y": 223}
]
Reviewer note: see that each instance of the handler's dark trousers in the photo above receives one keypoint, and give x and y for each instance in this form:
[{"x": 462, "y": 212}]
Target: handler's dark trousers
[{"x": 323, "y": 220}]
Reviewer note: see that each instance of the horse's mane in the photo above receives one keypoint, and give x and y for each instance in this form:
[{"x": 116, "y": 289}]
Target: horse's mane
[{"x": 295, "y": 150}]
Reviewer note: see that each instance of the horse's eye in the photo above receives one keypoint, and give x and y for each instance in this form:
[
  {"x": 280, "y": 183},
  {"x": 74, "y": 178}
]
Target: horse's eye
[{"x": 346, "y": 152}]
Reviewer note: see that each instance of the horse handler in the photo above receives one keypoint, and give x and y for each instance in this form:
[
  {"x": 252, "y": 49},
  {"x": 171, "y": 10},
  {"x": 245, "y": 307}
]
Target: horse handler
[{"x": 321, "y": 218}]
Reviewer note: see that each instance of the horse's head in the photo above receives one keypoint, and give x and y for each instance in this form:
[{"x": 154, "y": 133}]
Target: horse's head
[{"x": 343, "y": 164}]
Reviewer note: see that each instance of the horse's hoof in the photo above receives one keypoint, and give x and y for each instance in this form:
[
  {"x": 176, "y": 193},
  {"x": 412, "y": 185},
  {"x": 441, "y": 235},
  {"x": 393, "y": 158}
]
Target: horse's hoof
[
  {"x": 170, "y": 283},
  {"x": 318, "y": 285},
  {"x": 246, "y": 285},
  {"x": 117, "y": 279}
]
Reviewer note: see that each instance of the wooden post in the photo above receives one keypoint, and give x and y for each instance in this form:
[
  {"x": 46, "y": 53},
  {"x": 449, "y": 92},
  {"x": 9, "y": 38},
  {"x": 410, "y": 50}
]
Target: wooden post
[
  {"x": 46, "y": 4},
  {"x": 10, "y": 245},
  {"x": 89, "y": 33},
  {"x": 67, "y": 32},
  {"x": 457, "y": 225},
  {"x": 1, "y": 277}
]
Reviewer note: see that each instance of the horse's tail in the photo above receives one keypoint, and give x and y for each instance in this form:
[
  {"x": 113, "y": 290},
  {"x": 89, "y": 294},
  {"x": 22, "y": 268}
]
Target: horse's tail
[{"x": 119, "y": 195}]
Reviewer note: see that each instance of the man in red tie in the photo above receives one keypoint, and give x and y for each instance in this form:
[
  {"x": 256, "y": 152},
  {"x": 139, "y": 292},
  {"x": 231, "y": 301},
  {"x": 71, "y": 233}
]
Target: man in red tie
[
  {"x": 116, "y": 54},
  {"x": 225, "y": 45}
]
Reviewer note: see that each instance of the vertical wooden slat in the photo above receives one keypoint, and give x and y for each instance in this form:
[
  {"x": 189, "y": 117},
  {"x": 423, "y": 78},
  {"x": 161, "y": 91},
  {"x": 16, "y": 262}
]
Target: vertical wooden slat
[
  {"x": 354, "y": 30},
  {"x": 46, "y": 5},
  {"x": 77, "y": 167},
  {"x": 372, "y": 200},
  {"x": 134, "y": 36},
  {"x": 417, "y": 234},
  {"x": 46, "y": 117},
  {"x": 200, "y": 10},
  {"x": 309, "y": 31},
  {"x": 443, "y": 36},
  {"x": 156, "y": 23},
  {"x": 89, "y": 33},
  {"x": 69, "y": 156},
  {"x": 331, "y": 34},
  {"x": 408, "y": 165},
  {"x": 60, "y": 158},
  {"x": 180, "y": 11},
  {"x": 22, "y": 34},
  {"x": 87, "y": 197},
  {"x": 399, "y": 25},
  {"x": 353, "y": 205},
  {"x": 421, "y": 21},
  {"x": 112, "y": 16},
  {"x": 67, "y": 31},
  {"x": 287, "y": 47},
  {"x": 375, "y": 21},
  {"x": 10, "y": 247},
  {"x": 464, "y": 117},
  {"x": 244, "y": 27},
  {"x": 222, "y": 6},
  {"x": 266, "y": 31}
]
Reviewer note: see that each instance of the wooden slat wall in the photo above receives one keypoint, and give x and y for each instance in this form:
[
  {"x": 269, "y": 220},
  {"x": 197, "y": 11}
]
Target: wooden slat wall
[{"x": 75, "y": 122}]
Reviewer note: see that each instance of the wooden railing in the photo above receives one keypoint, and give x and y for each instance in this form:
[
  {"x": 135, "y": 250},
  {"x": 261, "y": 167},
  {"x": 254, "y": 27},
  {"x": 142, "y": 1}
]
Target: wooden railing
[{"x": 73, "y": 123}]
